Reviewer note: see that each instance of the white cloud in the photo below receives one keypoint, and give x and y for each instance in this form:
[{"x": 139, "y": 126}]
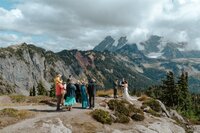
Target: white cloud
[{"x": 83, "y": 24}]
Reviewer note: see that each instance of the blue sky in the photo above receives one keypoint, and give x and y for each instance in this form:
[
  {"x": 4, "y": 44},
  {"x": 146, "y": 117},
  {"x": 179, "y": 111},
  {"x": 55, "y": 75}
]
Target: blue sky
[
  {"x": 71, "y": 24},
  {"x": 8, "y": 4}
]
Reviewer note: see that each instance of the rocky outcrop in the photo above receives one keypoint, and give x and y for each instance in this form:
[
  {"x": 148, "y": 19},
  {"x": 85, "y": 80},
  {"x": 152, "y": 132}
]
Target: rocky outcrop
[
  {"x": 174, "y": 114},
  {"x": 25, "y": 66},
  {"x": 80, "y": 120}
]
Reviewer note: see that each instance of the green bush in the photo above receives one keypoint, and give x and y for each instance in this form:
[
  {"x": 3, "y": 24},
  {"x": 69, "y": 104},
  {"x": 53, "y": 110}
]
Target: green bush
[
  {"x": 143, "y": 106},
  {"x": 154, "y": 113},
  {"x": 133, "y": 109},
  {"x": 123, "y": 107},
  {"x": 137, "y": 117},
  {"x": 112, "y": 104},
  {"x": 9, "y": 112},
  {"x": 155, "y": 105},
  {"x": 119, "y": 106},
  {"x": 123, "y": 110},
  {"x": 102, "y": 116},
  {"x": 121, "y": 118}
]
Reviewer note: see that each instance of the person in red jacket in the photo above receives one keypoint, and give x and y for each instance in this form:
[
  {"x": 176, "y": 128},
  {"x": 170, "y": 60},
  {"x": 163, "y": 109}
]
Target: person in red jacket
[{"x": 59, "y": 90}]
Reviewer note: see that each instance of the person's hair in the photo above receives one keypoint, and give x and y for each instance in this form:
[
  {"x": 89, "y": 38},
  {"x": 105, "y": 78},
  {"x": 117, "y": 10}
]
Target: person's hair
[
  {"x": 58, "y": 75},
  {"x": 69, "y": 80}
]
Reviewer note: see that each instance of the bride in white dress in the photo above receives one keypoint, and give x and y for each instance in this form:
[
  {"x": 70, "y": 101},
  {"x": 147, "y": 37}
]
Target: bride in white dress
[{"x": 126, "y": 95}]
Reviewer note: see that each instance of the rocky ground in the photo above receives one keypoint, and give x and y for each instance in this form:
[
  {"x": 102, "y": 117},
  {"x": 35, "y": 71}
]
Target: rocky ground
[{"x": 46, "y": 119}]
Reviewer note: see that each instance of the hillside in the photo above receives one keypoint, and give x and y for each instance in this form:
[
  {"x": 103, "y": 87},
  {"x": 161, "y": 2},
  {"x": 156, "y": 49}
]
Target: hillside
[{"x": 24, "y": 66}]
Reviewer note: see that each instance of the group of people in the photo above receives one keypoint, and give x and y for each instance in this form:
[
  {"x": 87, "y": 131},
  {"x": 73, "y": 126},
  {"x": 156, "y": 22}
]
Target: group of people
[{"x": 70, "y": 92}]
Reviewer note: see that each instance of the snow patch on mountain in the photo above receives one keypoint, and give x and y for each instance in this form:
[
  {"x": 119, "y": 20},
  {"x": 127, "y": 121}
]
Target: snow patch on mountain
[{"x": 154, "y": 55}]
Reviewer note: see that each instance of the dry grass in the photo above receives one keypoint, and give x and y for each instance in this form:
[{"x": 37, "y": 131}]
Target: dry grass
[
  {"x": 18, "y": 98},
  {"x": 10, "y": 116},
  {"x": 40, "y": 99},
  {"x": 143, "y": 98},
  {"x": 24, "y": 100},
  {"x": 108, "y": 93}
]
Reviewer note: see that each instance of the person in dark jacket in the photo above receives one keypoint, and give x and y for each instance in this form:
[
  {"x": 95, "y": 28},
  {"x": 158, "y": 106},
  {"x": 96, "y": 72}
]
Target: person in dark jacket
[
  {"x": 115, "y": 87},
  {"x": 70, "y": 95},
  {"x": 91, "y": 92},
  {"x": 78, "y": 92}
]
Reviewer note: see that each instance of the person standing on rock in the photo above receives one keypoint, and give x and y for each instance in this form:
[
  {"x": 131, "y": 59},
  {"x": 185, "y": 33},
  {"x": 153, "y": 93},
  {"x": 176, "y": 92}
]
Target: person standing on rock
[
  {"x": 84, "y": 95},
  {"x": 70, "y": 95},
  {"x": 92, "y": 92},
  {"x": 59, "y": 89},
  {"x": 115, "y": 87}
]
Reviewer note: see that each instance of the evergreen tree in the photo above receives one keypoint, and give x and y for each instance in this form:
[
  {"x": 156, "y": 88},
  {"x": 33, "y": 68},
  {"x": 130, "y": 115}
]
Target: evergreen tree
[
  {"x": 52, "y": 91},
  {"x": 169, "y": 94},
  {"x": 184, "y": 97},
  {"x": 34, "y": 91},
  {"x": 154, "y": 92},
  {"x": 168, "y": 88},
  {"x": 40, "y": 89},
  {"x": 31, "y": 92}
]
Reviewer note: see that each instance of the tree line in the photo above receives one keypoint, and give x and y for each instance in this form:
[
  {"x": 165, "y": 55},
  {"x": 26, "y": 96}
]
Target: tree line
[
  {"x": 41, "y": 90},
  {"x": 174, "y": 93}
]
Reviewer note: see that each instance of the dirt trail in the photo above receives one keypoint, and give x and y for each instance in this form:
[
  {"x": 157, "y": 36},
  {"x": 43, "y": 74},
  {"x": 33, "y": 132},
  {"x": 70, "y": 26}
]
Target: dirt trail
[{"x": 47, "y": 119}]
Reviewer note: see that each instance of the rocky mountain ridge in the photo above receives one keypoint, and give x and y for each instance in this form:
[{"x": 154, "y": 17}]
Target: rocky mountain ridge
[
  {"x": 154, "y": 47},
  {"x": 24, "y": 66}
]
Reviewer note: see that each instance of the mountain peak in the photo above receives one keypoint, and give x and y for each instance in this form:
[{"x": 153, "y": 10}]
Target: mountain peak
[
  {"x": 151, "y": 45},
  {"x": 170, "y": 51},
  {"x": 106, "y": 44},
  {"x": 121, "y": 42}
]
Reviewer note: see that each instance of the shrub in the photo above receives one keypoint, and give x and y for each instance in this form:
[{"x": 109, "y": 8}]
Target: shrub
[
  {"x": 133, "y": 109},
  {"x": 102, "y": 116},
  {"x": 121, "y": 118},
  {"x": 155, "y": 105},
  {"x": 18, "y": 98},
  {"x": 152, "y": 112},
  {"x": 123, "y": 107},
  {"x": 137, "y": 117},
  {"x": 112, "y": 104},
  {"x": 143, "y": 106},
  {"x": 9, "y": 112}
]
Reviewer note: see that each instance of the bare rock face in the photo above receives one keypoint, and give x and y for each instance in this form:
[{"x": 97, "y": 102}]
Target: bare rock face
[
  {"x": 196, "y": 128},
  {"x": 164, "y": 108},
  {"x": 24, "y": 66},
  {"x": 166, "y": 126},
  {"x": 174, "y": 114}
]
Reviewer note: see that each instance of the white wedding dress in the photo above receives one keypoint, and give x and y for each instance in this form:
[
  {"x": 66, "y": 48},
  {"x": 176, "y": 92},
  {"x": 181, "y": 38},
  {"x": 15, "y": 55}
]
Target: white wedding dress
[{"x": 126, "y": 95}]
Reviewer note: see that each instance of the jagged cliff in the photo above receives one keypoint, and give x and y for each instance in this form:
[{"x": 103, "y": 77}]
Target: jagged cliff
[{"x": 25, "y": 66}]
